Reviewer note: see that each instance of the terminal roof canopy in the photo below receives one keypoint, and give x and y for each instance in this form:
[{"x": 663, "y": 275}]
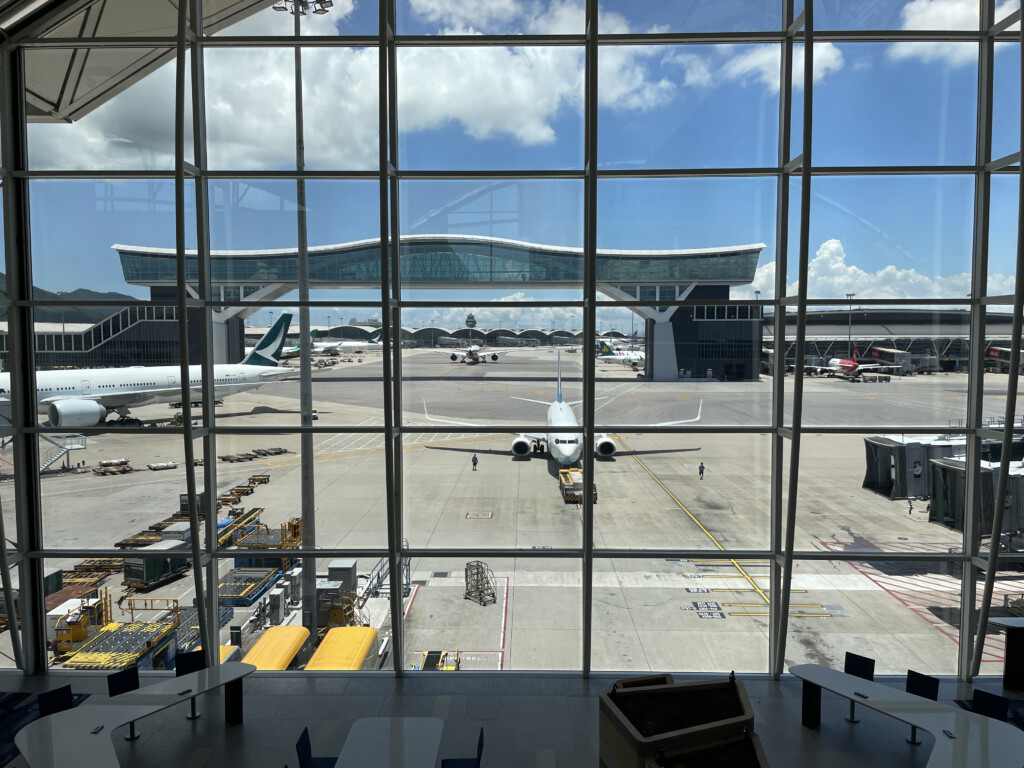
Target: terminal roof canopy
[
  {"x": 65, "y": 84},
  {"x": 450, "y": 261}
]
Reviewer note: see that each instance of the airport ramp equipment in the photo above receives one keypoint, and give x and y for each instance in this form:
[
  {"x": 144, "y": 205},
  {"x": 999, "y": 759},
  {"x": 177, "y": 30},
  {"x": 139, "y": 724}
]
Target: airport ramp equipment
[
  {"x": 139, "y": 540},
  {"x": 479, "y": 583},
  {"x": 188, "y": 632},
  {"x": 244, "y": 586},
  {"x": 119, "y": 646},
  {"x": 60, "y": 447},
  {"x": 379, "y": 582}
]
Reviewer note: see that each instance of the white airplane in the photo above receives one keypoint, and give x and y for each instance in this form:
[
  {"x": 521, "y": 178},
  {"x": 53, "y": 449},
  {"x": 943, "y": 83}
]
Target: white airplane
[
  {"x": 84, "y": 397},
  {"x": 847, "y": 369},
  {"x": 634, "y": 358},
  {"x": 340, "y": 347},
  {"x": 474, "y": 354},
  {"x": 564, "y": 447}
]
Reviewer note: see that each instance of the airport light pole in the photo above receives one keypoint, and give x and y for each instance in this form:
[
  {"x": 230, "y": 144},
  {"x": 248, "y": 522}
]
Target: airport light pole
[
  {"x": 328, "y": 326},
  {"x": 849, "y": 327}
]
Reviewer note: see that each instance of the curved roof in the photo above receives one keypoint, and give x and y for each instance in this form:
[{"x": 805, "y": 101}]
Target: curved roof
[{"x": 449, "y": 261}]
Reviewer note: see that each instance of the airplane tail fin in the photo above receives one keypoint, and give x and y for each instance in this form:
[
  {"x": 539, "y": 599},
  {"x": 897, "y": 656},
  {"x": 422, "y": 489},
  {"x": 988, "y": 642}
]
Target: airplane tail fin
[
  {"x": 605, "y": 349},
  {"x": 268, "y": 349},
  {"x": 559, "y": 398},
  {"x": 312, "y": 335},
  {"x": 376, "y": 335},
  {"x": 855, "y": 351}
]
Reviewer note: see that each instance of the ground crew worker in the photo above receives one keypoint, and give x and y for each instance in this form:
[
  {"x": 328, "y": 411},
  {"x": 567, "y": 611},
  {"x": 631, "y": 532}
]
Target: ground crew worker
[
  {"x": 700, "y": 470},
  {"x": 475, "y": 460}
]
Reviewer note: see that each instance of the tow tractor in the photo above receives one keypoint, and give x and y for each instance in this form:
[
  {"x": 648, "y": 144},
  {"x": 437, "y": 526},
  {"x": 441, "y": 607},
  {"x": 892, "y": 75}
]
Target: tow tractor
[{"x": 570, "y": 483}]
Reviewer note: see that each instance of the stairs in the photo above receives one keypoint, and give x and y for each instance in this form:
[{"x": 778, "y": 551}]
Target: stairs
[{"x": 61, "y": 446}]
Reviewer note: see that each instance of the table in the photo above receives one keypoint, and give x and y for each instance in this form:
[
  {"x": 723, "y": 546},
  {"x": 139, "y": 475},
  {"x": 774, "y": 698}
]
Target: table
[
  {"x": 1013, "y": 664},
  {"x": 962, "y": 739},
  {"x": 393, "y": 742},
  {"x": 68, "y": 738}
]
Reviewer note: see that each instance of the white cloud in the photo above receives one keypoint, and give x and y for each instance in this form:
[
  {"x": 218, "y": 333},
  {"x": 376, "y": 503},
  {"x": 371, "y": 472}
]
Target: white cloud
[
  {"x": 942, "y": 15},
  {"x": 829, "y": 275},
  {"x": 762, "y": 63},
  {"x": 463, "y": 13}
]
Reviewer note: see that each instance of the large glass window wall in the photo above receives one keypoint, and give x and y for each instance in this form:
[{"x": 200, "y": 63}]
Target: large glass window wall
[{"x": 665, "y": 348}]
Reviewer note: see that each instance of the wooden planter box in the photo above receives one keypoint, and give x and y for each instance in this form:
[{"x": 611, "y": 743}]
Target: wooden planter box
[{"x": 639, "y": 721}]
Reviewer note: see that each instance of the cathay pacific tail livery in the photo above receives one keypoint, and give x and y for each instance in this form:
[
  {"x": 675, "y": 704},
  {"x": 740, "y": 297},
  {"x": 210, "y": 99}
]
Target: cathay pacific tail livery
[{"x": 84, "y": 397}]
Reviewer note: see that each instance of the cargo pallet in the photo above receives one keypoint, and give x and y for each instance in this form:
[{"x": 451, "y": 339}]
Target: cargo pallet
[
  {"x": 139, "y": 540},
  {"x": 119, "y": 646},
  {"x": 236, "y": 457},
  {"x": 112, "y": 470},
  {"x": 244, "y": 586}
]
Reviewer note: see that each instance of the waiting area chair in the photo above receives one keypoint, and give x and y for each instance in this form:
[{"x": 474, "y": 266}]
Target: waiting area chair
[
  {"x": 925, "y": 686},
  {"x": 991, "y": 705},
  {"x": 305, "y": 752},
  {"x": 185, "y": 664},
  {"x": 57, "y": 700},
  {"x": 858, "y": 666},
  {"x": 122, "y": 682},
  {"x": 467, "y": 762}
]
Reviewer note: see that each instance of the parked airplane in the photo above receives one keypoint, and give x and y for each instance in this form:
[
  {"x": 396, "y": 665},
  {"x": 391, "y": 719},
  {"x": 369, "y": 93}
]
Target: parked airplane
[
  {"x": 474, "y": 354},
  {"x": 332, "y": 347},
  {"x": 564, "y": 447},
  {"x": 621, "y": 356},
  {"x": 84, "y": 397},
  {"x": 847, "y": 369}
]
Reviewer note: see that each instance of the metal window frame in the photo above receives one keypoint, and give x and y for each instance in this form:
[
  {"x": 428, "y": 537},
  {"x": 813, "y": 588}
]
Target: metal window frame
[{"x": 781, "y": 553}]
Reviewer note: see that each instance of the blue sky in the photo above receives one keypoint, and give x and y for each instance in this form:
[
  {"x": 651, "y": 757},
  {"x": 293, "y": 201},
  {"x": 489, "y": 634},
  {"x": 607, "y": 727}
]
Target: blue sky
[{"x": 521, "y": 108}]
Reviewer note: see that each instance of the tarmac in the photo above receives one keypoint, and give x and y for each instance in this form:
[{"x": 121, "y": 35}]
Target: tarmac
[{"x": 694, "y": 614}]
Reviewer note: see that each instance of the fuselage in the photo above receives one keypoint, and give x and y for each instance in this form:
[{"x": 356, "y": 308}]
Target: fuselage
[
  {"x": 142, "y": 385},
  {"x": 564, "y": 447},
  {"x": 847, "y": 366}
]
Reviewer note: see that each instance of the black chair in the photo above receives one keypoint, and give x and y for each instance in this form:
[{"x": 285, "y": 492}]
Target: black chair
[
  {"x": 122, "y": 682},
  {"x": 305, "y": 752},
  {"x": 57, "y": 700},
  {"x": 467, "y": 762},
  {"x": 990, "y": 705},
  {"x": 925, "y": 686},
  {"x": 858, "y": 666},
  {"x": 185, "y": 664}
]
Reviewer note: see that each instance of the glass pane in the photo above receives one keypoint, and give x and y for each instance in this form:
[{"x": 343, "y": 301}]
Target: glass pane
[
  {"x": 891, "y": 481},
  {"x": 538, "y": 624},
  {"x": 340, "y": 88},
  {"x": 1002, "y": 243},
  {"x": 351, "y": 484},
  {"x": 1006, "y": 100},
  {"x": 915, "y": 14},
  {"x": 903, "y": 615},
  {"x": 521, "y": 240},
  {"x": 501, "y": 108},
  {"x": 250, "y": 120},
  {"x": 257, "y": 219},
  {"x": 645, "y": 611},
  {"x": 680, "y": 491},
  {"x": 105, "y": 240},
  {"x": 700, "y": 235},
  {"x": 889, "y": 237},
  {"x": 927, "y": 115},
  {"x": 118, "y": 114},
  {"x": 687, "y": 106},
  {"x": 247, "y": 17},
  {"x": 416, "y": 17},
  {"x": 505, "y": 499},
  {"x": 690, "y": 16}
]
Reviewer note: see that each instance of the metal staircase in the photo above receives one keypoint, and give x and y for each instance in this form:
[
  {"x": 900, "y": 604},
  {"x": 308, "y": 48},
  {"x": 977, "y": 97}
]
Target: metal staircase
[
  {"x": 379, "y": 582},
  {"x": 62, "y": 446}
]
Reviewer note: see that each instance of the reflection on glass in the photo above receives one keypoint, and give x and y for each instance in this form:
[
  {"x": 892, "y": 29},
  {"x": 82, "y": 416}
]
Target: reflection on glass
[
  {"x": 250, "y": 119},
  {"x": 1002, "y": 241},
  {"x": 682, "y": 491},
  {"x": 926, "y": 118},
  {"x": 75, "y": 226},
  {"x": 650, "y": 615},
  {"x": 539, "y": 597},
  {"x": 508, "y": 497},
  {"x": 515, "y": 108},
  {"x": 1006, "y": 100},
  {"x": 890, "y": 237},
  {"x": 684, "y": 114},
  {"x": 838, "y": 607},
  {"x": 908, "y": 16},
  {"x": 99, "y": 108}
]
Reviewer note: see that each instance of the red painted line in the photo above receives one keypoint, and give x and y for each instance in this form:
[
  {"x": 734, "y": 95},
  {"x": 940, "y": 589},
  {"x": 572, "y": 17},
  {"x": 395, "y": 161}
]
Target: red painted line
[{"x": 409, "y": 606}]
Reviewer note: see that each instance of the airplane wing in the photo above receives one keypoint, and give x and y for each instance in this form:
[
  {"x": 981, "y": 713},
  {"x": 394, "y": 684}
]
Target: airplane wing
[
  {"x": 119, "y": 400},
  {"x": 680, "y": 421},
  {"x": 428, "y": 417}
]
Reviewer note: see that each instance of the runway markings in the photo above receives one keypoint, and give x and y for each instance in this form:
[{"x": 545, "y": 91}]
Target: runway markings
[{"x": 741, "y": 565}]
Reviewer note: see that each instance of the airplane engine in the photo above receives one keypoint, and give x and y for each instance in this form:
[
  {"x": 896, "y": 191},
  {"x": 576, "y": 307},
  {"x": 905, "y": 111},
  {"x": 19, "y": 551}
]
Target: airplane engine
[
  {"x": 521, "y": 446},
  {"x": 494, "y": 358},
  {"x": 605, "y": 446},
  {"x": 76, "y": 413},
  {"x": 454, "y": 357}
]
